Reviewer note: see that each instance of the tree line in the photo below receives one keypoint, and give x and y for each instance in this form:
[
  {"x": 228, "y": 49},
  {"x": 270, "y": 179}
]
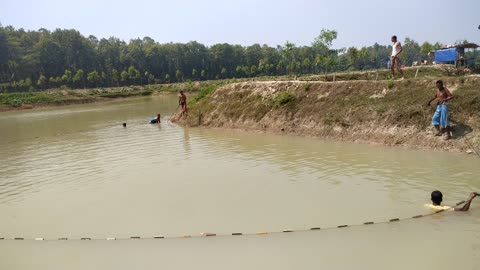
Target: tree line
[{"x": 44, "y": 59}]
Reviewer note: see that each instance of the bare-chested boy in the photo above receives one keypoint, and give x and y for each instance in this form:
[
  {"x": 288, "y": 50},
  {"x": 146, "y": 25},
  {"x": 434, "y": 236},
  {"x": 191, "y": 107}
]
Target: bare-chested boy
[{"x": 440, "y": 117}]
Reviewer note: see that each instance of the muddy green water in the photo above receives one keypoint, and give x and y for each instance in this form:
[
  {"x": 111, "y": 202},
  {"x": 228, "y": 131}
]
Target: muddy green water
[{"x": 76, "y": 172}]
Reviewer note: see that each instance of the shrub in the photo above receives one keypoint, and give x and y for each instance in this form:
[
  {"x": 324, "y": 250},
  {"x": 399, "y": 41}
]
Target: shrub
[
  {"x": 203, "y": 93},
  {"x": 146, "y": 92},
  {"x": 307, "y": 86},
  {"x": 390, "y": 84},
  {"x": 284, "y": 98}
]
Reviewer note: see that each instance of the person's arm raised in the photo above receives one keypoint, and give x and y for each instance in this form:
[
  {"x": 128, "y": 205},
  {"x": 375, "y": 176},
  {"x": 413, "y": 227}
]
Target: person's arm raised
[{"x": 466, "y": 206}]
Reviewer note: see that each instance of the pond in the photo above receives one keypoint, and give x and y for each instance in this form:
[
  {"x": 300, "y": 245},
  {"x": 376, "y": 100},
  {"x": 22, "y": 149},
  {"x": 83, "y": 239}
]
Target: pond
[{"x": 75, "y": 171}]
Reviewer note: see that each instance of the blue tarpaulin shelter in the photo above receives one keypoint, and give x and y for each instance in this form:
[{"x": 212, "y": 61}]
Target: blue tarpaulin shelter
[
  {"x": 446, "y": 55},
  {"x": 458, "y": 55}
]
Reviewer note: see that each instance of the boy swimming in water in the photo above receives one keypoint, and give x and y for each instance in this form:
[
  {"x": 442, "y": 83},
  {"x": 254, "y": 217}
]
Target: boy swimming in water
[
  {"x": 155, "y": 120},
  {"x": 437, "y": 198}
]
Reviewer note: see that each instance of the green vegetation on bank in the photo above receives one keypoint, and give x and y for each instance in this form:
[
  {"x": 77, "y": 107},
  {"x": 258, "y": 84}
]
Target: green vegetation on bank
[{"x": 67, "y": 96}]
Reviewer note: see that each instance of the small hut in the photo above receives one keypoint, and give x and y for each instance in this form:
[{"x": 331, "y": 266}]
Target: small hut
[{"x": 462, "y": 55}]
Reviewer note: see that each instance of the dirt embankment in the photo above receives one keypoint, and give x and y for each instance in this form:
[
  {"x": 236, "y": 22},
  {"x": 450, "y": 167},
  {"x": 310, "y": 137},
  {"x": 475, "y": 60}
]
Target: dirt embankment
[{"x": 383, "y": 112}]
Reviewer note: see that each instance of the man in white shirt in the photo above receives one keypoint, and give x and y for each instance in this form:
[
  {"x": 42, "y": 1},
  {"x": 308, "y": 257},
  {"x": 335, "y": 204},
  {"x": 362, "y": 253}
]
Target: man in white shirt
[
  {"x": 396, "y": 51},
  {"x": 437, "y": 198}
]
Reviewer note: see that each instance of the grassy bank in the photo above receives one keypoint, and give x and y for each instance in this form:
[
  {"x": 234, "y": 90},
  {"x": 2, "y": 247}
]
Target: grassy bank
[
  {"x": 65, "y": 96},
  {"x": 53, "y": 97},
  {"x": 385, "y": 74},
  {"x": 385, "y": 112}
]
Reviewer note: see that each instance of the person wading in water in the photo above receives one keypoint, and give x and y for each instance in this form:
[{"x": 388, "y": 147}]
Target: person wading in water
[
  {"x": 440, "y": 117},
  {"x": 437, "y": 198}
]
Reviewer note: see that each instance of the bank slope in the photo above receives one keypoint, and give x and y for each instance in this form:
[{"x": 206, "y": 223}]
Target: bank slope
[{"x": 384, "y": 112}]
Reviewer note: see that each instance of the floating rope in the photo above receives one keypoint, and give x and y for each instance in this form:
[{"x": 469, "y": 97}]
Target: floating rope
[{"x": 227, "y": 234}]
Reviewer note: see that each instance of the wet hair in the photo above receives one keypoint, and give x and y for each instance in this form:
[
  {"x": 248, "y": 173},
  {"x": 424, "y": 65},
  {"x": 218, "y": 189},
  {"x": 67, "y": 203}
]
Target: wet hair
[
  {"x": 440, "y": 82},
  {"x": 124, "y": 124},
  {"x": 437, "y": 197},
  {"x": 394, "y": 37}
]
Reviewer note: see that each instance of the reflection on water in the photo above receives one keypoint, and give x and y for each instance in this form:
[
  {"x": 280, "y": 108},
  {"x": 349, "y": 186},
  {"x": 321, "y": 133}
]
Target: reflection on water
[{"x": 75, "y": 171}]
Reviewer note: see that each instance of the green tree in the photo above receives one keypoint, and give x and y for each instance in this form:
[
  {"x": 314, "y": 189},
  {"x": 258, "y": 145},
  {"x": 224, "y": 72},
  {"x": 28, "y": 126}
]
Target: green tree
[
  {"x": 104, "y": 78},
  {"x": 246, "y": 70},
  {"x": 306, "y": 65},
  {"x": 42, "y": 81},
  {"x": 151, "y": 78},
  {"x": 288, "y": 55},
  {"x": 52, "y": 83},
  {"x": 114, "y": 77},
  {"x": 13, "y": 69},
  {"x": 93, "y": 78},
  {"x": 67, "y": 77},
  {"x": 253, "y": 70},
  {"x": 28, "y": 82},
  {"x": 281, "y": 67},
  {"x": 411, "y": 51},
  {"x": 133, "y": 74},
  {"x": 79, "y": 78},
  {"x": 238, "y": 70},
  {"x": 353, "y": 56},
  {"x": 5, "y": 55},
  {"x": 179, "y": 75},
  {"x": 326, "y": 57},
  {"x": 437, "y": 46},
  {"x": 124, "y": 77},
  {"x": 426, "y": 47},
  {"x": 325, "y": 39},
  {"x": 223, "y": 72}
]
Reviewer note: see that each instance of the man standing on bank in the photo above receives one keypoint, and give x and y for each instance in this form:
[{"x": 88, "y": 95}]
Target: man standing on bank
[
  {"x": 440, "y": 117},
  {"x": 182, "y": 101},
  {"x": 396, "y": 51}
]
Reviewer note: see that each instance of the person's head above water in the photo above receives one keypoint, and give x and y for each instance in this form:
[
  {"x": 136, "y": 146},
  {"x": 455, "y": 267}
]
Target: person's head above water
[
  {"x": 437, "y": 197},
  {"x": 124, "y": 124}
]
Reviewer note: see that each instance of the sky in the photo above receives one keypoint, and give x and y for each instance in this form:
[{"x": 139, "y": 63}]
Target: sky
[{"x": 245, "y": 22}]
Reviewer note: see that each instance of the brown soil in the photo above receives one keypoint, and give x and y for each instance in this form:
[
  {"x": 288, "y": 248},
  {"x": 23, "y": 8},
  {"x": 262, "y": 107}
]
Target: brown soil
[{"x": 382, "y": 112}]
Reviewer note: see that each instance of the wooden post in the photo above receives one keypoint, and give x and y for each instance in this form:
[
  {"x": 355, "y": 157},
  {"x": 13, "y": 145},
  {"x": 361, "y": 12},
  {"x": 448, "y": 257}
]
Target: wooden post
[{"x": 416, "y": 73}]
